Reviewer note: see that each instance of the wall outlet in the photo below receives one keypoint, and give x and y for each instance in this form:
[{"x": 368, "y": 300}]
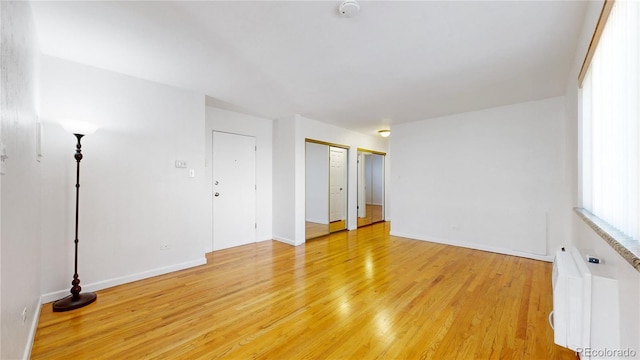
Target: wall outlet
[
  {"x": 164, "y": 246},
  {"x": 24, "y": 315},
  {"x": 181, "y": 164}
]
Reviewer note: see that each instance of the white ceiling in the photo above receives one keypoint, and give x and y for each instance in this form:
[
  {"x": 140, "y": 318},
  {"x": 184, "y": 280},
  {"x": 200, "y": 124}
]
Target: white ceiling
[{"x": 393, "y": 62}]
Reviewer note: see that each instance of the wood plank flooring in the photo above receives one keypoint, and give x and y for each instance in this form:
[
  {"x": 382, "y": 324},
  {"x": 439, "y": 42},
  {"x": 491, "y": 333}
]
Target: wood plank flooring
[
  {"x": 314, "y": 230},
  {"x": 337, "y": 225},
  {"x": 373, "y": 214},
  {"x": 351, "y": 295}
]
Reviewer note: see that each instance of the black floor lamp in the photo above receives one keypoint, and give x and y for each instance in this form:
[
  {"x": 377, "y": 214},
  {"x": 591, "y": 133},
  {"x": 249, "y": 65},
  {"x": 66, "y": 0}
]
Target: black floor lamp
[{"x": 76, "y": 299}]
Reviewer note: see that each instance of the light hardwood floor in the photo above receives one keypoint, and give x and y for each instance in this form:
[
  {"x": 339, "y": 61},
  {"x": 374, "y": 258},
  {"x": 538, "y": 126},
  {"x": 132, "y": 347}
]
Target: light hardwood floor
[
  {"x": 351, "y": 295},
  {"x": 314, "y": 230},
  {"x": 373, "y": 215}
]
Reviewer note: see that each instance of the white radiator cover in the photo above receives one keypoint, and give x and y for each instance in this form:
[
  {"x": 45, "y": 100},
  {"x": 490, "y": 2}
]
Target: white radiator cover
[{"x": 586, "y": 307}]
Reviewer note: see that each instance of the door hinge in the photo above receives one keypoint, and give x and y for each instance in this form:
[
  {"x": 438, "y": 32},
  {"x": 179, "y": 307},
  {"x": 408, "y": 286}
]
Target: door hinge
[
  {"x": 255, "y": 148},
  {"x": 255, "y": 187},
  {"x": 255, "y": 225}
]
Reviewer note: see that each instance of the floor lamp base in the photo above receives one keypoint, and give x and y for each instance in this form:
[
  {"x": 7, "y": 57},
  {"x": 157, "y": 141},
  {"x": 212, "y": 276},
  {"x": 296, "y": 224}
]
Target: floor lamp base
[{"x": 69, "y": 303}]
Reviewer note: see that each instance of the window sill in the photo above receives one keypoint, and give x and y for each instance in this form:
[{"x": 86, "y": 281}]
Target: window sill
[{"x": 628, "y": 248}]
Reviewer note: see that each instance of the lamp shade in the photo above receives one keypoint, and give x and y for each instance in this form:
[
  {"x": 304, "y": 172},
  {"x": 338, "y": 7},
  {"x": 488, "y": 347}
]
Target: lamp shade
[
  {"x": 79, "y": 127},
  {"x": 384, "y": 133}
]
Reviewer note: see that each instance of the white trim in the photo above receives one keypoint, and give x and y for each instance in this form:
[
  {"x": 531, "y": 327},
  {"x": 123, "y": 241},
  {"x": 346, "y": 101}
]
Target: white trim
[
  {"x": 318, "y": 220},
  {"x": 53, "y": 296},
  {"x": 498, "y": 250},
  {"x": 285, "y": 240},
  {"x": 32, "y": 331}
]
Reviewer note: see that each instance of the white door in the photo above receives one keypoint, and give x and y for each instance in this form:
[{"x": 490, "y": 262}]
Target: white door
[
  {"x": 234, "y": 190},
  {"x": 337, "y": 184}
]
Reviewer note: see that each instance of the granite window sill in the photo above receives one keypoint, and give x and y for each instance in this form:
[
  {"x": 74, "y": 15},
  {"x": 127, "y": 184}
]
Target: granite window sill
[{"x": 628, "y": 248}]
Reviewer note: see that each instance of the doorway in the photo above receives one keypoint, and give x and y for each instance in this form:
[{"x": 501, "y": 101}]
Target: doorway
[
  {"x": 370, "y": 187},
  {"x": 326, "y": 179},
  {"x": 234, "y": 190},
  {"x": 337, "y": 188}
]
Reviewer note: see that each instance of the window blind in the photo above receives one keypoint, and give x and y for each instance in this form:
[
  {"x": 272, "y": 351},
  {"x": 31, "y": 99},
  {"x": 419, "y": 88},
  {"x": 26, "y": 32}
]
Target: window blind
[{"x": 610, "y": 118}]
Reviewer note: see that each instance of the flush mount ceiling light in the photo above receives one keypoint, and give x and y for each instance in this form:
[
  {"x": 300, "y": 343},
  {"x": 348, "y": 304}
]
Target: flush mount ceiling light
[
  {"x": 349, "y": 8},
  {"x": 384, "y": 133}
]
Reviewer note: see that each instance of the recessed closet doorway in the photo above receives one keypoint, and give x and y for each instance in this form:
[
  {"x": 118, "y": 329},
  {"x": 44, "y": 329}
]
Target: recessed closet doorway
[
  {"x": 326, "y": 181},
  {"x": 370, "y": 187}
]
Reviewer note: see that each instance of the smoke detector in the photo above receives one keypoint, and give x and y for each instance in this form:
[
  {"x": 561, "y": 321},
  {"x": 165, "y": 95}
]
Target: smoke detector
[{"x": 349, "y": 8}]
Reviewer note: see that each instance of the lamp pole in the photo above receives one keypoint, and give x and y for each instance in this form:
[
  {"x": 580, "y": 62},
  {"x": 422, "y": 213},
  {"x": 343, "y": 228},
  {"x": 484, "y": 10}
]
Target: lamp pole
[{"x": 76, "y": 299}]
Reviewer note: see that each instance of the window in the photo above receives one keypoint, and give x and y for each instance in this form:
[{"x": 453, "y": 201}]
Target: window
[{"x": 610, "y": 119}]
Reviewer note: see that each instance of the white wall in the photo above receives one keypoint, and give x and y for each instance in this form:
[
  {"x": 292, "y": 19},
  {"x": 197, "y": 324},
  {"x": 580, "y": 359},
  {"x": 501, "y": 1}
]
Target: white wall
[
  {"x": 20, "y": 235},
  {"x": 375, "y": 182},
  {"x": 582, "y": 235},
  {"x": 262, "y": 129},
  {"x": 317, "y": 183},
  {"x": 368, "y": 176},
  {"x": 490, "y": 179},
  {"x": 284, "y": 181},
  {"x": 132, "y": 197},
  {"x": 362, "y": 180}
]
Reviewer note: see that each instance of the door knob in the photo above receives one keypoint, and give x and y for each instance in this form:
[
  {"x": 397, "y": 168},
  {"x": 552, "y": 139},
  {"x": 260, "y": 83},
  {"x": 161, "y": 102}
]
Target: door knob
[
  {"x": 215, "y": 183},
  {"x": 216, "y": 194}
]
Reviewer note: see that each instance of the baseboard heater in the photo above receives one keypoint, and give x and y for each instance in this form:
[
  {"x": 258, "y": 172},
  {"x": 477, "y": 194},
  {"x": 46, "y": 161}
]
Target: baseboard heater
[{"x": 586, "y": 307}]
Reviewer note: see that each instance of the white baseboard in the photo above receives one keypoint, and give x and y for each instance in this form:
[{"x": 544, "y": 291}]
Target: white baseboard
[
  {"x": 286, "y": 241},
  {"x": 32, "y": 331},
  {"x": 53, "y": 296},
  {"x": 474, "y": 246},
  {"x": 323, "y": 221},
  {"x": 209, "y": 247}
]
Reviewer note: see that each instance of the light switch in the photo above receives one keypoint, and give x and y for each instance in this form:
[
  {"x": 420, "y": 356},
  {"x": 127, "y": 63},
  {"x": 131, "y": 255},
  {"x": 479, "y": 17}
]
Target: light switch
[{"x": 192, "y": 173}]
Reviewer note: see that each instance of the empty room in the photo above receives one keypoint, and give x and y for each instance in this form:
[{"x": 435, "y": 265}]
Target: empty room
[{"x": 341, "y": 179}]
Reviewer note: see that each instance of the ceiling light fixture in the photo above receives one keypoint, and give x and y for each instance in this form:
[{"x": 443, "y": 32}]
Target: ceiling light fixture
[
  {"x": 384, "y": 133},
  {"x": 349, "y": 8}
]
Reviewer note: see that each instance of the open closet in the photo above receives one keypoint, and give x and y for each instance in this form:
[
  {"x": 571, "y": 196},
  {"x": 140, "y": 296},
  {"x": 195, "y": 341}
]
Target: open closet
[
  {"x": 326, "y": 179},
  {"x": 370, "y": 187}
]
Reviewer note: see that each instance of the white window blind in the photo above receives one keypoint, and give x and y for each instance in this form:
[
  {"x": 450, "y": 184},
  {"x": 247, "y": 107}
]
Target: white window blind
[{"x": 610, "y": 118}]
